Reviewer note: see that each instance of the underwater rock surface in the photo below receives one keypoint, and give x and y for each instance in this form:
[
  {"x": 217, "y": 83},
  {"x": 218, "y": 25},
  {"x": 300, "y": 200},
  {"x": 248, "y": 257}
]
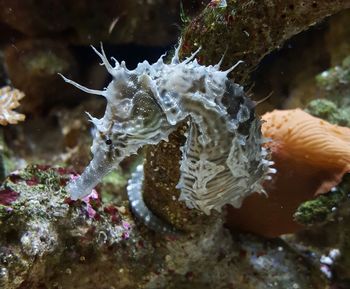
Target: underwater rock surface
[
  {"x": 49, "y": 241},
  {"x": 32, "y": 66},
  {"x": 87, "y": 22},
  {"x": 249, "y": 30}
]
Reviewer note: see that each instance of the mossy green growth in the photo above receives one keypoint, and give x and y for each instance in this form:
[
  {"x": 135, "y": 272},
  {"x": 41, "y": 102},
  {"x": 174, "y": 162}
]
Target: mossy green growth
[
  {"x": 40, "y": 190},
  {"x": 6, "y": 163},
  {"x": 113, "y": 186},
  {"x": 329, "y": 111},
  {"x": 335, "y": 82},
  {"x": 44, "y": 177},
  {"x": 185, "y": 19},
  {"x": 216, "y": 32},
  {"x": 46, "y": 62},
  {"x": 335, "y": 76},
  {"x": 321, "y": 209},
  {"x": 4, "y": 213}
]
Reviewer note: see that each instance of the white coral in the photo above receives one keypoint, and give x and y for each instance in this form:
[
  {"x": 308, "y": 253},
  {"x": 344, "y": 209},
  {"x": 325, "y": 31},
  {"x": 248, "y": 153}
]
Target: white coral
[{"x": 9, "y": 100}]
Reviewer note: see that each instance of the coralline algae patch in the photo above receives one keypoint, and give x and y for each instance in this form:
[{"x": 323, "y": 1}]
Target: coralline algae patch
[
  {"x": 311, "y": 156},
  {"x": 7, "y": 197}
]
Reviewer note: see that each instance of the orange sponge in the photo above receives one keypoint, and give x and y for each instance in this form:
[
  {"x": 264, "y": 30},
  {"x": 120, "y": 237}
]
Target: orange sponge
[{"x": 310, "y": 155}]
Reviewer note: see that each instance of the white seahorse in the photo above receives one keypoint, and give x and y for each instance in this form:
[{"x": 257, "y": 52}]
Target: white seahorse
[{"x": 223, "y": 160}]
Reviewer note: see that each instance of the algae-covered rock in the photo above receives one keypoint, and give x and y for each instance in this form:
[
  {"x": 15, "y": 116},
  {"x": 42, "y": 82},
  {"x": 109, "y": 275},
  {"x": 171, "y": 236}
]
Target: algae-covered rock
[
  {"x": 322, "y": 208},
  {"x": 327, "y": 217},
  {"x": 41, "y": 229},
  {"x": 328, "y": 110},
  {"x": 331, "y": 233},
  {"x": 335, "y": 82},
  {"x": 49, "y": 241},
  {"x": 6, "y": 163},
  {"x": 330, "y": 79},
  {"x": 249, "y": 30},
  {"x": 86, "y": 22},
  {"x": 33, "y": 65}
]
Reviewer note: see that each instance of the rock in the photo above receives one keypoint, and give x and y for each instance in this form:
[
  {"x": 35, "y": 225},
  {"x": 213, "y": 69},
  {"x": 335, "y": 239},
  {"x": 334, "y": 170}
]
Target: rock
[
  {"x": 86, "y": 22},
  {"x": 49, "y": 241},
  {"x": 33, "y": 67}
]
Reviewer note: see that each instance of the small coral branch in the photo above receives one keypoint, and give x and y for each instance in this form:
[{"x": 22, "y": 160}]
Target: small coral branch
[
  {"x": 9, "y": 100},
  {"x": 248, "y": 30}
]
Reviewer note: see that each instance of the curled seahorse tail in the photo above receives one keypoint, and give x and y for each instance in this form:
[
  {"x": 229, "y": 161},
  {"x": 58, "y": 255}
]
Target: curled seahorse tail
[{"x": 139, "y": 207}]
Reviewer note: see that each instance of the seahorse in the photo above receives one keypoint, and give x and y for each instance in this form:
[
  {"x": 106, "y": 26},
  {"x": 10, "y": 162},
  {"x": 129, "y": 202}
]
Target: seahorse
[{"x": 223, "y": 159}]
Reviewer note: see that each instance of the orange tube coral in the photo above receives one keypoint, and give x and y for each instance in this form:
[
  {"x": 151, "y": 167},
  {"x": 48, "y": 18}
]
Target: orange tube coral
[{"x": 310, "y": 155}]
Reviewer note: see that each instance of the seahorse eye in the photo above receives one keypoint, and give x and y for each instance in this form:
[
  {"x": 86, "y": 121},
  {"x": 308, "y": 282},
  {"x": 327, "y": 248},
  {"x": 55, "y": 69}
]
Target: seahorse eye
[{"x": 108, "y": 142}]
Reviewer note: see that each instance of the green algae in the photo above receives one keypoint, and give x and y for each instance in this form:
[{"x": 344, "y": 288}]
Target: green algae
[
  {"x": 322, "y": 208},
  {"x": 113, "y": 186},
  {"x": 6, "y": 163},
  {"x": 333, "y": 77},
  {"x": 185, "y": 19},
  {"x": 335, "y": 83},
  {"x": 34, "y": 185},
  {"x": 46, "y": 62},
  {"x": 329, "y": 111}
]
